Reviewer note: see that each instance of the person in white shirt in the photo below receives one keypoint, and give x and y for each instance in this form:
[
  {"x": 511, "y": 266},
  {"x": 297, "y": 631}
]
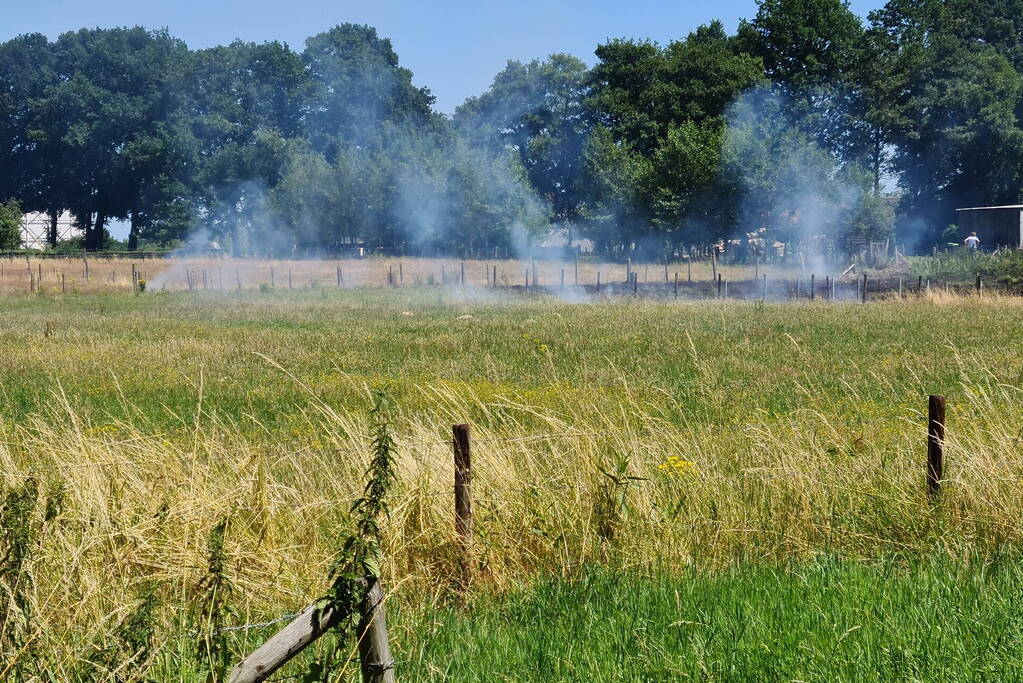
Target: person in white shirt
[{"x": 972, "y": 241}]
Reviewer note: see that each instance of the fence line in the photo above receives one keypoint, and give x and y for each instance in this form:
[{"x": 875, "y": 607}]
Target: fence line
[{"x": 851, "y": 422}]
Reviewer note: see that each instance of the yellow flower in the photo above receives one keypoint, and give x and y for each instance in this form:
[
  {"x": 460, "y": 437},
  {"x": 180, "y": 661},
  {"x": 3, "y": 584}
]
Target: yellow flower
[{"x": 676, "y": 464}]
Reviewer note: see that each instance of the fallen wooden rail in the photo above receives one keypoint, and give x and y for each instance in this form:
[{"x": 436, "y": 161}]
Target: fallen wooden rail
[{"x": 374, "y": 647}]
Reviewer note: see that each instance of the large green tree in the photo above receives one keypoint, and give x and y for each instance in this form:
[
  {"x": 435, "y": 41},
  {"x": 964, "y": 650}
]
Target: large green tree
[{"x": 537, "y": 109}]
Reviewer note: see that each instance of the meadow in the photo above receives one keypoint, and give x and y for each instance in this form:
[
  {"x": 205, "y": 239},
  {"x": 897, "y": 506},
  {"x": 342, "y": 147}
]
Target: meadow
[{"x": 723, "y": 490}]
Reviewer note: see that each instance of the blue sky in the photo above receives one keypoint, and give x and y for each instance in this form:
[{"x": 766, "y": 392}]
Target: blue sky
[{"x": 454, "y": 48}]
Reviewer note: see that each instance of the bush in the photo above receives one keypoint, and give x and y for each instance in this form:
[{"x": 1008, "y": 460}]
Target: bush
[
  {"x": 10, "y": 225},
  {"x": 966, "y": 264}
]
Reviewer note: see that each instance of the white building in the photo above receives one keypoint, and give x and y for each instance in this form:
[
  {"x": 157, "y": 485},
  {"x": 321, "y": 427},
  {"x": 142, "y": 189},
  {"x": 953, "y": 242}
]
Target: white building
[{"x": 34, "y": 227}]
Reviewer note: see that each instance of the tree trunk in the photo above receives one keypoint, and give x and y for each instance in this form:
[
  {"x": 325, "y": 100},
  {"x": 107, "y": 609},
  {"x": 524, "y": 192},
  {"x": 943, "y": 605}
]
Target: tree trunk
[
  {"x": 51, "y": 232},
  {"x": 94, "y": 233},
  {"x": 133, "y": 233}
]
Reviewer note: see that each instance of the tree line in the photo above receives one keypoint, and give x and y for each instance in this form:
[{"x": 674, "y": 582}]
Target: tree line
[{"x": 799, "y": 126}]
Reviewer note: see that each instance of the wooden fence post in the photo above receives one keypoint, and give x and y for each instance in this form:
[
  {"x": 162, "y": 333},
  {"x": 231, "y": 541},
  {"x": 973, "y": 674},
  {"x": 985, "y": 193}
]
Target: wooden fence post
[
  {"x": 463, "y": 482},
  {"x": 935, "y": 443},
  {"x": 864, "y": 288},
  {"x": 374, "y": 646},
  {"x": 813, "y": 291},
  {"x": 676, "y": 284}
]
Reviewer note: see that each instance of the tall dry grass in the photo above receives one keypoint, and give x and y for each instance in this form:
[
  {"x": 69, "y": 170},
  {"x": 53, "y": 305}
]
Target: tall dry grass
[
  {"x": 113, "y": 274},
  {"x": 554, "y": 489}
]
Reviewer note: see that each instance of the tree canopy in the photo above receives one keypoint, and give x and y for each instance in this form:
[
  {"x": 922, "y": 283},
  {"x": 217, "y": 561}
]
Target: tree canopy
[{"x": 808, "y": 123}]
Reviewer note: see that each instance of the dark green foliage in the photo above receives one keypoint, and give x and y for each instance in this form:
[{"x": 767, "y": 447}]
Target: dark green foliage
[
  {"x": 214, "y": 606},
  {"x": 359, "y": 556},
  {"x": 611, "y": 501},
  {"x": 10, "y": 225},
  {"x": 133, "y": 639}
]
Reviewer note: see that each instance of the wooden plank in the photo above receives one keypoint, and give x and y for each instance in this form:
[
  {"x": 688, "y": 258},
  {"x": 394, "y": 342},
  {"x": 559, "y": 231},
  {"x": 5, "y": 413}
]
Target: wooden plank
[
  {"x": 312, "y": 623},
  {"x": 374, "y": 646}
]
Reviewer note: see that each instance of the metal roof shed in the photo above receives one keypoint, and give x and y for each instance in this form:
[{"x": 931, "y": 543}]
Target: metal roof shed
[{"x": 996, "y": 226}]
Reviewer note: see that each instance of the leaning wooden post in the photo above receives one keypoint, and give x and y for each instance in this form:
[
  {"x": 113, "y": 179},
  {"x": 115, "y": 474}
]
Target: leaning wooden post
[
  {"x": 935, "y": 443},
  {"x": 463, "y": 482}
]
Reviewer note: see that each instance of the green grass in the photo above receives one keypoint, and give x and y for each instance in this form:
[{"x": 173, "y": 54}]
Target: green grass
[
  {"x": 118, "y": 356},
  {"x": 161, "y": 415},
  {"x": 825, "y": 621},
  {"x": 964, "y": 265}
]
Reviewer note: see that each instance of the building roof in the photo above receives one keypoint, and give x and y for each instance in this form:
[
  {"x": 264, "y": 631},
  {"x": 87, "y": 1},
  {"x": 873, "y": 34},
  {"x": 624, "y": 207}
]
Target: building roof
[{"x": 984, "y": 208}]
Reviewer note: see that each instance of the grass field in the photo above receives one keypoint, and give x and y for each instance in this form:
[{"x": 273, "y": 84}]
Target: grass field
[{"x": 709, "y": 457}]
